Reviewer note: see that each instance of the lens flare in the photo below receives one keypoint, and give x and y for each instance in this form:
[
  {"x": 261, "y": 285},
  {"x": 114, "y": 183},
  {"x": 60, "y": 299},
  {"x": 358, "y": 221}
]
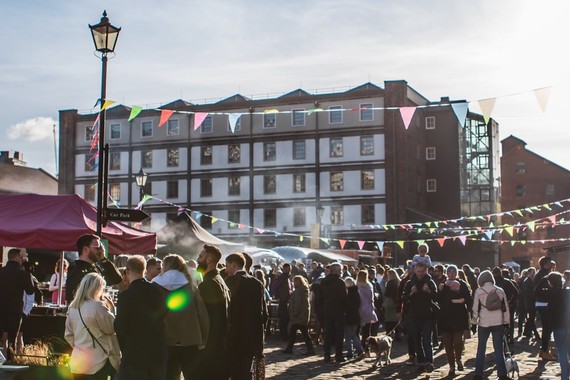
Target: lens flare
[{"x": 177, "y": 300}]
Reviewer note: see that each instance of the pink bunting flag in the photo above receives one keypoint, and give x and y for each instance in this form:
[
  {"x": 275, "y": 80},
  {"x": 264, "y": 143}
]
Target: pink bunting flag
[
  {"x": 164, "y": 116},
  {"x": 542, "y": 95},
  {"x": 552, "y": 219},
  {"x": 242, "y": 226},
  {"x": 342, "y": 243},
  {"x": 407, "y": 113},
  {"x": 360, "y": 244},
  {"x": 260, "y": 230},
  {"x": 462, "y": 238},
  {"x": 199, "y": 118}
]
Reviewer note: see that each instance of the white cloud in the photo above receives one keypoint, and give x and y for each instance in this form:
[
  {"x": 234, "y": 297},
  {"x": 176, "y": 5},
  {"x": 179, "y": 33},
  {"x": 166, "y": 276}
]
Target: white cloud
[{"x": 36, "y": 129}]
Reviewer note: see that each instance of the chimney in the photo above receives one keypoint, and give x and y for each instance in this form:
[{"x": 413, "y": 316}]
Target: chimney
[{"x": 12, "y": 158}]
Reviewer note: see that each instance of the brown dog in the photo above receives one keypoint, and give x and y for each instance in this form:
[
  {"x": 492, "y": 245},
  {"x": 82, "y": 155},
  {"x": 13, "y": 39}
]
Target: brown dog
[{"x": 380, "y": 346}]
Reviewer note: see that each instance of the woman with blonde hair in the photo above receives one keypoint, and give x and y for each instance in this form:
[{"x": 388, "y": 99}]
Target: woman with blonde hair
[
  {"x": 56, "y": 279},
  {"x": 186, "y": 321},
  {"x": 368, "y": 316},
  {"x": 299, "y": 315},
  {"x": 89, "y": 331}
]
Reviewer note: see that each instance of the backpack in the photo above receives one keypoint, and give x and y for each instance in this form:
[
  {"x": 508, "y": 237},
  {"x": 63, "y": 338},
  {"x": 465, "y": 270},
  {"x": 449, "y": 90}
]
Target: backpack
[{"x": 494, "y": 302}]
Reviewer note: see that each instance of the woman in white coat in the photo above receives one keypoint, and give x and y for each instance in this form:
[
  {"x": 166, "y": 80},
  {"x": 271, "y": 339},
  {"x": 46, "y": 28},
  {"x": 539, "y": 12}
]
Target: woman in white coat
[{"x": 90, "y": 332}]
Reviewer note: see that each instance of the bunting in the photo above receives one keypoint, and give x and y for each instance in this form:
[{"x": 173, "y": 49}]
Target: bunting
[{"x": 164, "y": 116}]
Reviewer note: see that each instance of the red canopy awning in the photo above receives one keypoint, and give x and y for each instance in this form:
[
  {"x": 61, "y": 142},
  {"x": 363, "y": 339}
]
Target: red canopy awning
[{"x": 54, "y": 222}]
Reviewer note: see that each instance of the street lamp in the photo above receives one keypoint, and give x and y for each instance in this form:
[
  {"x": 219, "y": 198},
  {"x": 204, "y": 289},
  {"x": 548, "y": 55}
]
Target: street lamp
[
  {"x": 141, "y": 178},
  {"x": 105, "y": 38}
]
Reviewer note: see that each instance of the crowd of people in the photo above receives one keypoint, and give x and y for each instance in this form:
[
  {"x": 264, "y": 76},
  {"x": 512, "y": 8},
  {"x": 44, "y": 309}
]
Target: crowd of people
[{"x": 207, "y": 319}]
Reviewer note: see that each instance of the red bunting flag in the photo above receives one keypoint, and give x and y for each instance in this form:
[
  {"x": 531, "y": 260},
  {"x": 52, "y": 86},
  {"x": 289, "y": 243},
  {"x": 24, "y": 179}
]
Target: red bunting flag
[
  {"x": 342, "y": 243},
  {"x": 164, "y": 116},
  {"x": 441, "y": 241}
]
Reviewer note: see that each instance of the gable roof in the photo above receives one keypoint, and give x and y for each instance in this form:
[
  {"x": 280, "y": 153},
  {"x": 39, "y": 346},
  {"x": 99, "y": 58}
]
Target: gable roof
[
  {"x": 16, "y": 179},
  {"x": 236, "y": 98}
]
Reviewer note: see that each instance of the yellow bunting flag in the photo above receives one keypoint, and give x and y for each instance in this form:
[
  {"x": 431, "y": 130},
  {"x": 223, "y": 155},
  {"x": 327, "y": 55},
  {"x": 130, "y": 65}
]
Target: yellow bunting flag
[{"x": 107, "y": 104}]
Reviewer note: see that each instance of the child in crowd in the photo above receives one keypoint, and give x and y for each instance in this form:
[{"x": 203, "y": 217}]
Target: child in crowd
[{"x": 421, "y": 257}]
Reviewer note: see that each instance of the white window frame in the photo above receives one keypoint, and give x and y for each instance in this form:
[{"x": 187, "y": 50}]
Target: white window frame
[
  {"x": 304, "y": 142},
  {"x": 362, "y": 139},
  {"x": 332, "y": 152},
  {"x": 111, "y": 155},
  {"x": 268, "y": 115},
  {"x": 430, "y": 153},
  {"x": 298, "y": 111},
  {"x": 366, "y": 105},
  {"x": 430, "y": 122},
  {"x": 210, "y": 120},
  {"x": 431, "y": 185},
  {"x": 151, "y": 128},
  {"x": 111, "y": 131},
  {"x": 168, "y": 165},
  {"x": 335, "y": 110},
  {"x": 168, "y": 133},
  {"x": 237, "y": 126}
]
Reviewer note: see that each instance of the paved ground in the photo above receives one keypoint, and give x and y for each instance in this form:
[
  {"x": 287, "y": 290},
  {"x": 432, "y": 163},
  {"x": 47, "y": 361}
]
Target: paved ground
[{"x": 297, "y": 366}]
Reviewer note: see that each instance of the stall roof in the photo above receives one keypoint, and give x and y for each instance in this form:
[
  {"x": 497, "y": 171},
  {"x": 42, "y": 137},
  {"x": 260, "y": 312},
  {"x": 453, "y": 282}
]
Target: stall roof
[
  {"x": 294, "y": 253},
  {"x": 54, "y": 222}
]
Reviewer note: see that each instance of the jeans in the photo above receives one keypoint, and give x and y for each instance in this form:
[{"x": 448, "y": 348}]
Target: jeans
[
  {"x": 351, "y": 339},
  {"x": 483, "y": 335},
  {"x": 562, "y": 339},
  {"x": 421, "y": 331}
]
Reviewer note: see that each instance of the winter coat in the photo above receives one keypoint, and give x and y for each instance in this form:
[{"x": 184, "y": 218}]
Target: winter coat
[
  {"x": 187, "y": 325},
  {"x": 353, "y": 306},
  {"x": 390, "y": 307},
  {"x": 419, "y": 304},
  {"x": 489, "y": 318},
  {"x": 332, "y": 294},
  {"x": 299, "y": 308},
  {"x": 366, "y": 310},
  {"x": 454, "y": 316}
]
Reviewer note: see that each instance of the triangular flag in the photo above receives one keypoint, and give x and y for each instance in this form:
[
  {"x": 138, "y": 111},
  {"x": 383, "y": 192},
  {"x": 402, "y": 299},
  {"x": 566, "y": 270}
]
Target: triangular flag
[
  {"x": 487, "y": 106},
  {"x": 342, "y": 243},
  {"x": 462, "y": 238},
  {"x": 513, "y": 242},
  {"x": 242, "y": 226},
  {"x": 260, "y": 230},
  {"x": 325, "y": 240},
  {"x": 460, "y": 110},
  {"x": 313, "y": 110},
  {"x": 542, "y": 95},
  {"x": 380, "y": 245},
  {"x": 164, "y": 116},
  {"x": 407, "y": 113},
  {"x": 233, "y": 118},
  {"x": 518, "y": 212},
  {"x": 301, "y": 237},
  {"x": 180, "y": 210},
  {"x": 199, "y": 119},
  {"x": 420, "y": 242},
  {"x": 489, "y": 234},
  {"x": 552, "y": 219},
  {"x": 509, "y": 230},
  {"x": 107, "y": 104},
  {"x": 134, "y": 112},
  {"x": 440, "y": 241},
  {"x": 214, "y": 219},
  {"x": 198, "y": 215},
  {"x": 531, "y": 225},
  {"x": 400, "y": 243},
  {"x": 271, "y": 111},
  {"x": 360, "y": 244}
]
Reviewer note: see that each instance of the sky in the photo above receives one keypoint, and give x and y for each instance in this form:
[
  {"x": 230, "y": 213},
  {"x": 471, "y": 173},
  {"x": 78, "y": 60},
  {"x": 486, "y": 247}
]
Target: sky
[{"x": 208, "y": 50}]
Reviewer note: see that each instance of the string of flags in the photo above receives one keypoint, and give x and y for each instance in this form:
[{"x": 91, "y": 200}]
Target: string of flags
[{"x": 489, "y": 233}]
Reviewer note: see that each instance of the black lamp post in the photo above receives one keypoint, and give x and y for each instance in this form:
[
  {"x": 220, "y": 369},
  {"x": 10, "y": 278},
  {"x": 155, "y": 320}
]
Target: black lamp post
[
  {"x": 105, "y": 38},
  {"x": 141, "y": 178}
]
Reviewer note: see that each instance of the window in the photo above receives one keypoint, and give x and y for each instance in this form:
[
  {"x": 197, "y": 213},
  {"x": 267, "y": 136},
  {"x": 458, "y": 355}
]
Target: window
[
  {"x": 270, "y": 217},
  {"x": 520, "y": 168},
  {"x": 234, "y": 217},
  {"x": 299, "y": 150},
  {"x": 430, "y": 153},
  {"x": 115, "y": 191},
  {"x": 206, "y": 220},
  {"x": 172, "y": 189},
  {"x": 298, "y": 183},
  {"x": 173, "y": 127},
  {"x": 430, "y": 122},
  {"x": 335, "y": 115},
  {"x": 520, "y": 190},
  {"x": 367, "y": 214},
  {"x": 115, "y": 131},
  {"x": 431, "y": 185},
  {"x": 234, "y": 153},
  {"x": 146, "y": 128},
  {"x": 207, "y": 125},
  {"x": 269, "y": 120},
  {"x": 298, "y": 117},
  {"x": 89, "y": 194},
  {"x": 337, "y": 215},
  {"x": 298, "y": 217},
  {"x": 366, "y": 112},
  {"x": 89, "y": 133},
  {"x": 550, "y": 190},
  {"x": 115, "y": 158},
  {"x": 366, "y": 145},
  {"x": 337, "y": 181},
  {"x": 367, "y": 180},
  {"x": 234, "y": 186},
  {"x": 89, "y": 163},
  {"x": 206, "y": 187},
  {"x": 173, "y": 157},
  {"x": 269, "y": 151},
  {"x": 269, "y": 186},
  {"x": 205, "y": 155},
  {"x": 146, "y": 158},
  {"x": 336, "y": 147}
]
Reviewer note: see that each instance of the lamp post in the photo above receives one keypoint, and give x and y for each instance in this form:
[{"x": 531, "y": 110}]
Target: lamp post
[
  {"x": 105, "y": 38},
  {"x": 320, "y": 212},
  {"x": 141, "y": 178}
]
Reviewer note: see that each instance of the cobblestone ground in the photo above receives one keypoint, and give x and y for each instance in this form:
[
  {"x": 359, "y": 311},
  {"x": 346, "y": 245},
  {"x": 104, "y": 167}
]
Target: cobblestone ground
[{"x": 297, "y": 366}]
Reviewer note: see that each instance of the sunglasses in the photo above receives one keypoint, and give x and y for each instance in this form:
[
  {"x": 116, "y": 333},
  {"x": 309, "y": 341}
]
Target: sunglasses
[{"x": 99, "y": 245}]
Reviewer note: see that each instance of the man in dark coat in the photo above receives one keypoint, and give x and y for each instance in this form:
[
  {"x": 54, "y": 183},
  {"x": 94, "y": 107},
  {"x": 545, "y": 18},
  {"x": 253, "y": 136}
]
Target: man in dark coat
[
  {"x": 14, "y": 281},
  {"x": 282, "y": 292},
  {"x": 216, "y": 296},
  {"x": 334, "y": 300},
  {"x": 139, "y": 325},
  {"x": 527, "y": 295},
  {"x": 247, "y": 316},
  {"x": 541, "y": 296},
  {"x": 91, "y": 260},
  {"x": 419, "y": 296}
]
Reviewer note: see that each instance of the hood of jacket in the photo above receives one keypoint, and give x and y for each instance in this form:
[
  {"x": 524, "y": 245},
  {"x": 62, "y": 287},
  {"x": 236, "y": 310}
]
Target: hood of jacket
[{"x": 171, "y": 280}]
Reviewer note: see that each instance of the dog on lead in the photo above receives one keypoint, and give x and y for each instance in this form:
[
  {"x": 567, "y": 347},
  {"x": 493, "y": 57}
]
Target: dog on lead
[
  {"x": 381, "y": 346},
  {"x": 510, "y": 362}
]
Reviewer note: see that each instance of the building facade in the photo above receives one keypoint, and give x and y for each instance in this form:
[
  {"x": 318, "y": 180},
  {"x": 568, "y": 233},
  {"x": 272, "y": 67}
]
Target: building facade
[
  {"x": 528, "y": 180},
  {"x": 341, "y": 160}
]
